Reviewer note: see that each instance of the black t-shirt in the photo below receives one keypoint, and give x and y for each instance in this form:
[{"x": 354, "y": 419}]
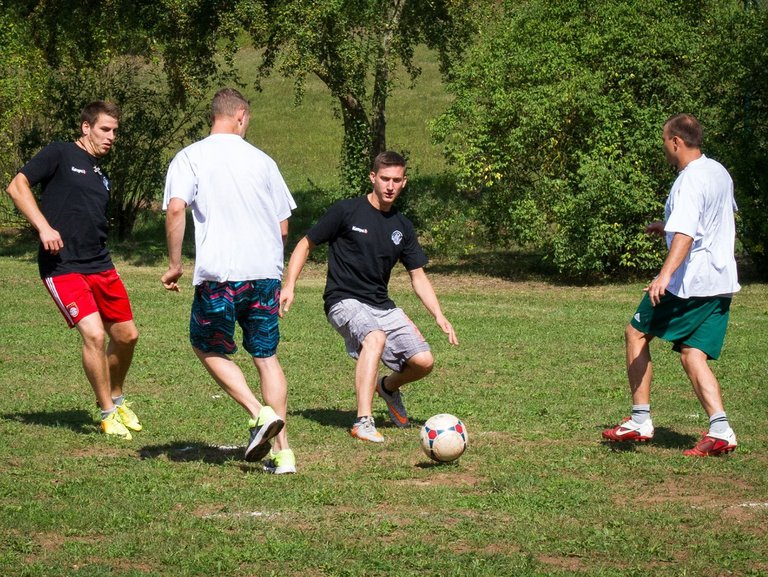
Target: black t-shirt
[
  {"x": 75, "y": 194},
  {"x": 365, "y": 244}
]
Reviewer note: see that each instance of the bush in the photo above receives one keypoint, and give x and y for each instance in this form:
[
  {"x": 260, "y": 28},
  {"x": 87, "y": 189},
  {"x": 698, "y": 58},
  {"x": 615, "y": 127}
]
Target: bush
[{"x": 556, "y": 124}]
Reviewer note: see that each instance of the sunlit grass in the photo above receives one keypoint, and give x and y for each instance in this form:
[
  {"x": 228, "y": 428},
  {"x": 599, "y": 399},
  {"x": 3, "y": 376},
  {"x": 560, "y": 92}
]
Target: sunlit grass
[{"x": 538, "y": 374}]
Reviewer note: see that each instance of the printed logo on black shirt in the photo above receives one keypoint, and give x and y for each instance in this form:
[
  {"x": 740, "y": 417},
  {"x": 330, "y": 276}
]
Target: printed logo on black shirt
[
  {"x": 358, "y": 229},
  {"x": 397, "y": 237}
]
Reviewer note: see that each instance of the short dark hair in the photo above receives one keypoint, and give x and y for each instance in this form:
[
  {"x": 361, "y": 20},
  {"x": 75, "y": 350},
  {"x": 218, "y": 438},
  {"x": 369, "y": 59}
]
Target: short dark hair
[
  {"x": 90, "y": 113},
  {"x": 388, "y": 158},
  {"x": 687, "y": 128},
  {"x": 226, "y": 102}
]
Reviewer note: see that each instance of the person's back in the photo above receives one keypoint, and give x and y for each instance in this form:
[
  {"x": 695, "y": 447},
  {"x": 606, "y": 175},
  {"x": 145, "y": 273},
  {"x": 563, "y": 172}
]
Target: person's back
[
  {"x": 239, "y": 200},
  {"x": 701, "y": 204}
]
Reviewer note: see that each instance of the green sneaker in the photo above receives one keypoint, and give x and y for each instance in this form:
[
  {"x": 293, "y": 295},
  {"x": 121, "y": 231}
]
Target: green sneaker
[
  {"x": 128, "y": 417},
  {"x": 281, "y": 462},
  {"x": 112, "y": 425},
  {"x": 263, "y": 428}
]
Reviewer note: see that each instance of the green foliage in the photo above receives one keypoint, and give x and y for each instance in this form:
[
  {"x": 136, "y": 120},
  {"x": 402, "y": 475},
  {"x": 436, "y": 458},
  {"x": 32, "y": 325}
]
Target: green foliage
[
  {"x": 355, "y": 47},
  {"x": 22, "y": 75},
  {"x": 738, "y": 99},
  {"x": 119, "y": 60},
  {"x": 446, "y": 220},
  {"x": 557, "y": 122}
]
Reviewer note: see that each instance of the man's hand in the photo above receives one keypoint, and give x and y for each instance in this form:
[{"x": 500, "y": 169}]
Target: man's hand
[
  {"x": 447, "y": 327},
  {"x": 657, "y": 288},
  {"x": 286, "y": 299},
  {"x": 51, "y": 240},
  {"x": 656, "y": 227},
  {"x": 170, "y": 278}
]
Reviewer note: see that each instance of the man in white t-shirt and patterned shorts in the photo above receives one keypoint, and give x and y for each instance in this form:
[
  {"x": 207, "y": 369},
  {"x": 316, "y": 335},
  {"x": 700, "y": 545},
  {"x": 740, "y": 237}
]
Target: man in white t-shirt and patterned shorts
[
  {"x": 240, "y": 205},
  {"x": 688, "y": 302}
]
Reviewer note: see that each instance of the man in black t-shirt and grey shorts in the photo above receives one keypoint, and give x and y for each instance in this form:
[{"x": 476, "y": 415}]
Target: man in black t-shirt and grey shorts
[
  {"x": 367, "y": 237},
  {"x": 73, "y": 259}
]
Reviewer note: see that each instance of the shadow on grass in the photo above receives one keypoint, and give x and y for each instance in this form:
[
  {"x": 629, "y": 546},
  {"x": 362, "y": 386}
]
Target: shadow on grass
[
  {"x": 663, "y": 437},
  {"x": 344, "y": 419},
  {"x": 328, "y": 417},
  {"x": 78, "y": 421},
  {"x": 193, "y": 451}
]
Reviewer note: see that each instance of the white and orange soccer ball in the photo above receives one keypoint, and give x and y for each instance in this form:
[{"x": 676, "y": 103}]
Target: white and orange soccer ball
[{"x": 444, "y": 438}]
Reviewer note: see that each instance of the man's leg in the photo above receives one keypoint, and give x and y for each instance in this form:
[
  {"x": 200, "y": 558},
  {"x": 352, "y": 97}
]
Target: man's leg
[
  {"x": 95, "y": 360},
  {"x": 274, "y": 390},
  {"x": 230, "y": 378},
  {"x": 97, "y": 371},
  {"x": 639, "y": 427},
  {"x": 639, "y": 365},
  {"x": 720, "y": 438},
  {"x": 702, "y": 378},
  {"x": 366, "y": 371},
  {"x": 122, "y": 342},
  {"x": 417, "y": 367}
]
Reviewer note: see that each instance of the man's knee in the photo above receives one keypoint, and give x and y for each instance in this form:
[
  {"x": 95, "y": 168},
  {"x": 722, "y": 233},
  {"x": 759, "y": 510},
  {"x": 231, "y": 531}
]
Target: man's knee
[
  {"x": 422, "y": 362},
  {"x": 375, "y": 341},
  {"x": 124, "y": 334}
]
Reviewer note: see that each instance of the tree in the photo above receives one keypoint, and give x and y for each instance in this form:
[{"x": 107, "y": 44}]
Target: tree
[
  {"x": 738, "y": 95},
  {"x": 557, "y": 121},
  {"x": 21, "y": 77},
  {"x": 155, "y": 59},
  {"x": 354, "y": 47}
]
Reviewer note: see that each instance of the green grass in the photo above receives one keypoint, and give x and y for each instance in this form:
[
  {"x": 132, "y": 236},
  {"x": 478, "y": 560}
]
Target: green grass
[{"x": 538, "y": 374}]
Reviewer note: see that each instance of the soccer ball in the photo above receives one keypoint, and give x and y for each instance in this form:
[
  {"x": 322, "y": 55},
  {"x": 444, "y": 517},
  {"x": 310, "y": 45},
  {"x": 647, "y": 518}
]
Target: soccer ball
[{"x": 444, "y": 438}]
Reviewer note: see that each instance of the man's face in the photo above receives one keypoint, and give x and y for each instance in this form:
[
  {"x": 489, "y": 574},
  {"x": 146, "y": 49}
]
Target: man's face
[
  {"x": 670, "y": 146},
  {"x": 100, "y": 136},
  {"x": 388, "y": 182}
]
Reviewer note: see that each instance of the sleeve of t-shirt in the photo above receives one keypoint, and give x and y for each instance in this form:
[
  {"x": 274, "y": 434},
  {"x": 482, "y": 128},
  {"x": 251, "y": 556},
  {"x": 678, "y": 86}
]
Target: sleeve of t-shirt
[
  {"x": 327, "y": 228},
  {"x": 686, "y": 208},
  {"x": 43, "y": 165},
  {"x": 413, "y": 256},
  {"x": 180, "y": 181},
  {"x": 281, "y": 196}
]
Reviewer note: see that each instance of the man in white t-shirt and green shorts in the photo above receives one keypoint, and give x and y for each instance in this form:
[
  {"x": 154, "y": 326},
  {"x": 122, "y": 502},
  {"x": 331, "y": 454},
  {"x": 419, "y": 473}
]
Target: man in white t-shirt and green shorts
[{"x": 688, "y": 302}]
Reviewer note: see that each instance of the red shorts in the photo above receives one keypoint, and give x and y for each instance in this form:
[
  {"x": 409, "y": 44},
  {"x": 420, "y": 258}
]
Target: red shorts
[{"x": 79, "y": 295}]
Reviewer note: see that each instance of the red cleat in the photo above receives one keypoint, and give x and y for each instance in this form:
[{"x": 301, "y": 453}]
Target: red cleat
[
  {"x": 712, "y": 445},
  {"x": 628, "y": 430}
]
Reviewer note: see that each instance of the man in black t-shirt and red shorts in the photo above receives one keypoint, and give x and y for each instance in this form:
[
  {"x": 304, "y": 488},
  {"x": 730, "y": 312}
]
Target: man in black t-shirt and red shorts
[
  {"x": 73, "y": 259},
  {"x": 367, "y": 237}
]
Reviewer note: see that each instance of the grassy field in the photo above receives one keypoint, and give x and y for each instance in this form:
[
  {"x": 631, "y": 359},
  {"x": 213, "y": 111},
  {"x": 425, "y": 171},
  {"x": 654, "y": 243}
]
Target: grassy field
[{"x": 538, "y": 374}]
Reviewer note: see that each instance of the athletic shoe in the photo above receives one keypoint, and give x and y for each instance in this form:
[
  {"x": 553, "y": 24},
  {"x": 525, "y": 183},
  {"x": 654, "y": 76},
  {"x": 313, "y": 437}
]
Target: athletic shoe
[
  {"x": 263, "y": 428},
  {"x": 112, "y": 425},
  {"x": 713, "y": 444},
  {"x": 128, "y": 417},
  {"x": 395, "y": 406},
  {"x": 365, "y": 430},
  {"x": 281, "y": 462},
  {"x": 628, "y": 430}
]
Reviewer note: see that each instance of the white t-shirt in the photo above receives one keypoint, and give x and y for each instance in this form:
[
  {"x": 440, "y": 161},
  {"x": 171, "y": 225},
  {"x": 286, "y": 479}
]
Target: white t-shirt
[
  {"x": 238, "y": 199},
  {"x": 701, "y": 205}
]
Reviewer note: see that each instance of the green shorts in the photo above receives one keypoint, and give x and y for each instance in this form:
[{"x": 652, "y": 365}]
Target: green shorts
[{"x": 698, "y": 322}]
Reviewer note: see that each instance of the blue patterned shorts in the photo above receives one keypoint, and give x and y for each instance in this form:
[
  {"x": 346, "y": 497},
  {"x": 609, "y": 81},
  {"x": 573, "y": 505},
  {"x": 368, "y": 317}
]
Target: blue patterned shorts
[{"x": 254, "y": 305}]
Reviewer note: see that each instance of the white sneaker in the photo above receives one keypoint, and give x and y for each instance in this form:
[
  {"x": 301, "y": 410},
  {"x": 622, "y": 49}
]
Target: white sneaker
[{"x": 365, "y": 430}]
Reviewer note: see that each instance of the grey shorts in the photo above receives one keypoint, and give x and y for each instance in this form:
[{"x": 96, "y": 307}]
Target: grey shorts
[{"x": 353, "y": 320}]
